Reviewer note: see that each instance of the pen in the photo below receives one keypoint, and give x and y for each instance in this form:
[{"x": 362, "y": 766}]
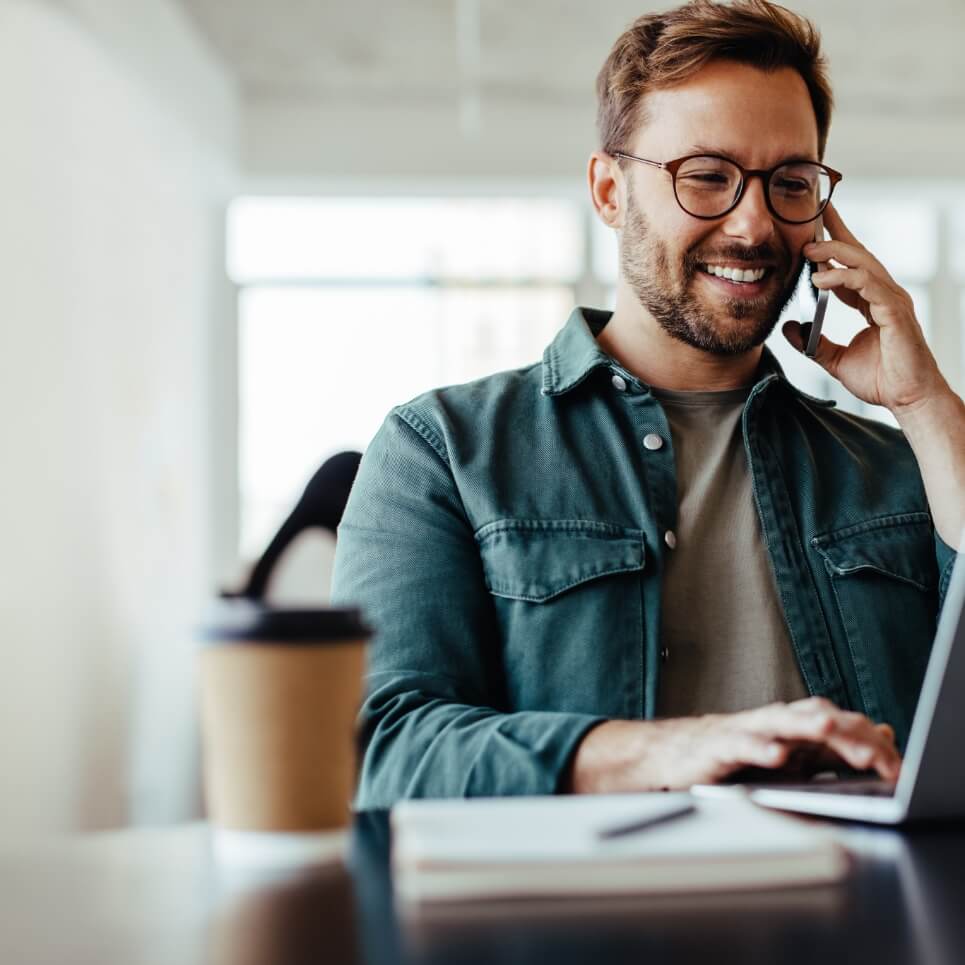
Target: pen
[{"x": 618, "y": 830}]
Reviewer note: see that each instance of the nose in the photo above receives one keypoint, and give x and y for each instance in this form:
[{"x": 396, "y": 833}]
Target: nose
[{"x": 751, "y": 221}]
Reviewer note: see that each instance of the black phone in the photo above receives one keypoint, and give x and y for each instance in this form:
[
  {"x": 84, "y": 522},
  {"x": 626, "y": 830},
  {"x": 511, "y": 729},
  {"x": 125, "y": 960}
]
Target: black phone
[{"x": 820, "y": 296}]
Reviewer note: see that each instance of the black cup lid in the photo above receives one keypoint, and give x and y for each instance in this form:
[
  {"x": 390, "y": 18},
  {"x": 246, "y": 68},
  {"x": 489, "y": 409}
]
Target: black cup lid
[{"x": 229, "y": 620}]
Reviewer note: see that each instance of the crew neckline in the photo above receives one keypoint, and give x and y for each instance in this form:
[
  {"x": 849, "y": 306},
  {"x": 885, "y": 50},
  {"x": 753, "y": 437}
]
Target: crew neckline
[{"x": 703, "y": 396}]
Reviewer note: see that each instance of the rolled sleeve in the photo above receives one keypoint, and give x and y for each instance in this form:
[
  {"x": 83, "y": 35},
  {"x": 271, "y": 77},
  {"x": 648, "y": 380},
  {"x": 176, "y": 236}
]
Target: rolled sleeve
[{"x": 434, "y": 721}]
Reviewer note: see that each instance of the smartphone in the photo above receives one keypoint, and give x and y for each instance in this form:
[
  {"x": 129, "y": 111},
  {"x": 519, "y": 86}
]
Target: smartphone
[{"x": 821, "y": 296}]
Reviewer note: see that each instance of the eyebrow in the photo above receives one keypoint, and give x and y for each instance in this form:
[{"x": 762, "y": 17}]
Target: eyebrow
[{"x": 706, "y": 149}]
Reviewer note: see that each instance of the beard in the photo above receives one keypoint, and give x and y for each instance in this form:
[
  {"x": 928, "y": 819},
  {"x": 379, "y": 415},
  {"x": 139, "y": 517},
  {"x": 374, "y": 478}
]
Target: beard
[{"x": 666, "y": 289}]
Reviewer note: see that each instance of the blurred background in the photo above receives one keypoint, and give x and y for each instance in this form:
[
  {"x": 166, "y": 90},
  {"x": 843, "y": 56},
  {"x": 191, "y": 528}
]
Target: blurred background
[{"x": 233, "y": 234}]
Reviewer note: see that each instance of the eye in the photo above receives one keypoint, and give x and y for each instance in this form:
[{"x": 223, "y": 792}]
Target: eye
[
  {"x": 706, "y": 177},
  {"x": 793, "y": 186}
]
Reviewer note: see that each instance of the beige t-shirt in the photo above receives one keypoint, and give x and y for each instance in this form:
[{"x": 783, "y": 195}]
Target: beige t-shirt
[{"x": 723, "y": 634}]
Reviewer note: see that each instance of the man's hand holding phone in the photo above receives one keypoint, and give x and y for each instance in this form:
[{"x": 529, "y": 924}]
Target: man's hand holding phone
[{"x": 888, "y": 363}]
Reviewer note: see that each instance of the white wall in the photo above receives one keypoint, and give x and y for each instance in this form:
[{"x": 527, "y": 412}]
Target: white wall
[{"x": 116, "y": 151}]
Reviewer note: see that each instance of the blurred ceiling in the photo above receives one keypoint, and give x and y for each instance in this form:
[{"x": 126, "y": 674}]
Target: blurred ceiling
[{"x": 895, "y": 58}]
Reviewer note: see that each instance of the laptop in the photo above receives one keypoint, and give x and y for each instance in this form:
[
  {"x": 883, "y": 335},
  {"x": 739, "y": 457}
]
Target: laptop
[{"x": 932, "y": 779}]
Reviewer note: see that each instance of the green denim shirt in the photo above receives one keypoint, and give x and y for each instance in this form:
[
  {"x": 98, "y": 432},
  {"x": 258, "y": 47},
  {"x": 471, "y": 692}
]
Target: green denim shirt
[{"x": 506, "y": 540}]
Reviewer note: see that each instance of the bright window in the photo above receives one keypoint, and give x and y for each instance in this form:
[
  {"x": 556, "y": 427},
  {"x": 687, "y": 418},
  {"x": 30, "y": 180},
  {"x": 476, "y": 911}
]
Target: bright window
[
  {"x": 350, "y": 307},
  {"x": 334, "y": 239}
]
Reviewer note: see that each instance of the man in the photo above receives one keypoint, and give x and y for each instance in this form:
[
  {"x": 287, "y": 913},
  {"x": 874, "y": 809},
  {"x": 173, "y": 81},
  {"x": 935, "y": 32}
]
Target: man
[{"x": 649, "y": 561}]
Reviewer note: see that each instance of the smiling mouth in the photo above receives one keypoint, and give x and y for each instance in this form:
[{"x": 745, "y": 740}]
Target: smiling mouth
[{"x": 738, "y": 276}]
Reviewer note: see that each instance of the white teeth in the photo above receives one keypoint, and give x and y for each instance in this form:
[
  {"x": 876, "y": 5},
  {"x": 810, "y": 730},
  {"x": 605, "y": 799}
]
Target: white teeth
[{"x": 736, "y": 274}]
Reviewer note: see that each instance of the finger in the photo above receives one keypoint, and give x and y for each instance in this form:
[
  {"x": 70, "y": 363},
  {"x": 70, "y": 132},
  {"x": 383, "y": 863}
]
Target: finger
[
  {"x": 843, "y": 720},
  {"x": 851, "y": 736},
  {"x": 789, "y": 722},
  {"x": 827, "y": 354},
  {"x": 863, "y": 745},
  {"x": 866, "y": 757},
  {"x": 851, "y": 256},
  {"x": 836, "y": 226},
  {"x": 812, "y": 705},
  {"x": 852, "y": 300},
  {"x": 855, "y": 741},
  {"x": 840, "y": 232},
  {"x": 832, "y": 756},
  {"x": 749, "y": 750},
  {"x": 861, "y": 727},
  {"x": 886, "y": 731},
  {"x": 887, "y": 307}
]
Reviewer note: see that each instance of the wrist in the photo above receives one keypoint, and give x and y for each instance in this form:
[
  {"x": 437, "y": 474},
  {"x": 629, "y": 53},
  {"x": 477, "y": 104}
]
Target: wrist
[
  {"x": 612, "y": 758},
  {"x": 648, "y": 755},
  {"x": 923, "y": 414},
  {"x": 935, "y": 430}
]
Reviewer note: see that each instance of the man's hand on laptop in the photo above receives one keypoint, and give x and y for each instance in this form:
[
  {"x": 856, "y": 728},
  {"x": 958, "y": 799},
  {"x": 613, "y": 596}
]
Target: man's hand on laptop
[{"x": 803, "y": 736}]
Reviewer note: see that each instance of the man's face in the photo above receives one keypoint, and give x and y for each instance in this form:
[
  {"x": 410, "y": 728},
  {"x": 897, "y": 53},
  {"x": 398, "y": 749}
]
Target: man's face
[{"x": 757, "y": 119}]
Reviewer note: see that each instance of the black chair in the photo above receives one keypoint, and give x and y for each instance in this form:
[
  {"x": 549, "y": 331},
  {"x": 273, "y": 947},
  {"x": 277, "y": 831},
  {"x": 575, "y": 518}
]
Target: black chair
[{"x": 321, "y": 505}]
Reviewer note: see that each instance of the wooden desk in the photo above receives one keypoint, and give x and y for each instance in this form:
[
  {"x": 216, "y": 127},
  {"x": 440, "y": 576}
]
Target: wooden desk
[{"x": 157, "y": 896}]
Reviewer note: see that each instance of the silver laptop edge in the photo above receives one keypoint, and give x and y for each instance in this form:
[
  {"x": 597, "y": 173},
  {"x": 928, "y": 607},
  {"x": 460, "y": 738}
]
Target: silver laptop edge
[{"x": 932, "y": 781}]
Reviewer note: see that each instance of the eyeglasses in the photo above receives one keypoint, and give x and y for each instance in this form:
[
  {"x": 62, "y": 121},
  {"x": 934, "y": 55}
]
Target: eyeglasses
[{"x": 709, "y": 186}]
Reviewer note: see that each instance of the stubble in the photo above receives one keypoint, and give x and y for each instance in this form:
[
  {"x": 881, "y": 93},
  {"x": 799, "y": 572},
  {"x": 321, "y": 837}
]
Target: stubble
[{"x": 667, "y": 291}]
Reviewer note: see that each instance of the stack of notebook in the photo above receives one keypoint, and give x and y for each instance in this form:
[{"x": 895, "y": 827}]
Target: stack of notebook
[{"x": 457, "y": 850}]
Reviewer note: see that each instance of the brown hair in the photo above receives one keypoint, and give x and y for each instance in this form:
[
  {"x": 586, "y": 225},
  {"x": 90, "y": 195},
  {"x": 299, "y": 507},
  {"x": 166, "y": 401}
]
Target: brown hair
[{"x": 659, "y": 50}]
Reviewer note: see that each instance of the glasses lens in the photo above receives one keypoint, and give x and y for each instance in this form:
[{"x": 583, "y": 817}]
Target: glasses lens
[
  {"x": 799, "y": 191},
  {"x": 707, "y": 186}
]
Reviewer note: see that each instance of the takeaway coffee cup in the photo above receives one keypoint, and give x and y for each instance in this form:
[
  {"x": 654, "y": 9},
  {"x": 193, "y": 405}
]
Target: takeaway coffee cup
[{"x": 279, "y": 690}]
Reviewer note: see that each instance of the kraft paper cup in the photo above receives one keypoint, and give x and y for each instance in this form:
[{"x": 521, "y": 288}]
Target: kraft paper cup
[{"x": 279, "y": 691}]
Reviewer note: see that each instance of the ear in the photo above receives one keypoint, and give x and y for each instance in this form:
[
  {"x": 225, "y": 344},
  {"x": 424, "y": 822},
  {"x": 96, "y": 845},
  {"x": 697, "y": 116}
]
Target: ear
[{"x": 607, "y": 188}]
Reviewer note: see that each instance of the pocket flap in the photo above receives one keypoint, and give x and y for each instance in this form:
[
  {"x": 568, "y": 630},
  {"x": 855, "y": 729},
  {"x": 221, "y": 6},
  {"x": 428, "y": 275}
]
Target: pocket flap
[
  {"x": 537, "y": 560},
  {"x": 898, "y": 546}
]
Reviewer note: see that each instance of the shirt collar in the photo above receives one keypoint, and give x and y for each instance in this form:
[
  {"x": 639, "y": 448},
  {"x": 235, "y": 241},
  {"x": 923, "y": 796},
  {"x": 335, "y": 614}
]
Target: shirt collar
[{"x": 575, "y": 354}]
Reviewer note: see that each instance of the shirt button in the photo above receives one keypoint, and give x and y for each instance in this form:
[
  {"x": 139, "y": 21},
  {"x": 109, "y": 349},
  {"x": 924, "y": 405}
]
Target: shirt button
[
  {"x": 619, "y": 383},
  {"x": 652, "y": 441},
  {"x": 670, "y": 538}
]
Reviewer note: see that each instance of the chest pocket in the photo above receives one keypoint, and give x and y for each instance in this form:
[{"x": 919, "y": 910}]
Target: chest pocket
[
  {"x": 569, "y": 599},
  {"x": 537, "y": 560},
  {"x": 885, "y": 581}
]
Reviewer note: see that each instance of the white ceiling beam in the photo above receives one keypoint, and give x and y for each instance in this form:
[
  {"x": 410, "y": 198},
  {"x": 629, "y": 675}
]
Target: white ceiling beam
[{"x": 469, "y": 55}]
